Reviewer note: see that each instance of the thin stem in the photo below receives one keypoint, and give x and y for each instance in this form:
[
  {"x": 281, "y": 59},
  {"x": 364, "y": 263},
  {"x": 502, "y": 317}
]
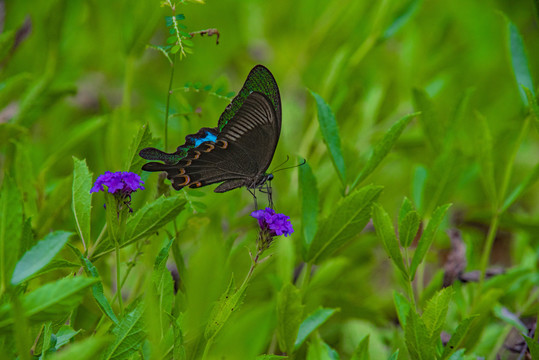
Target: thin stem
[
  {"x": 99, "y": 238},
  {"x": 488, "y": 247},
  {"x": 118, "y": 280},
  {"x": 410, "y": 291},
  {"x": 169, "y": 93},
  {"x": 306, "y": 278}
]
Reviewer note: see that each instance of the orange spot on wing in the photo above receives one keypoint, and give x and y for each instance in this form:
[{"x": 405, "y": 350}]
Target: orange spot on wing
[
  {"x": 223, "y": 142},
  {"x": 196, "y": 185},
  {"x": 185, "y": 182},
  {"x": 210, "y": 148},
  {"x": 197, "y": 154}
]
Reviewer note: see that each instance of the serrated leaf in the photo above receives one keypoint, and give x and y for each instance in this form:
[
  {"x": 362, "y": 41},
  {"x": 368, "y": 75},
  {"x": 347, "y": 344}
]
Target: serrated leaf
[
  {"x": 382, "y": 148},
  {"x": 427, "y": 237},
  {"x": 408, "y": 228},
  {"x": 519, "y": 60},
  {"x": 51, "y": 301},
  {"x": 129, "y": 335},
  {"x": 309, "y": 205},
  {"x": 145, "y": 221},
  {"x": 457, "y": 337},
  {"x": 97, "y": 290},
  {"x": 142, "y": 139},
  {"x": 386, "y": 232},
  {"x": 227, "y": 304},
  {"x": 362, "y": 350},
  {"x": 330, "y": 133},
  {"x": 403, "y": 308},
  {"x": 39, "y": 256},
  {"x": 311, "y": 323},
  {"x": 346, "y": 221},
  {"x": 418, "y": 341},
  {"x": 436, "y": 312},
  {"x": 289, "y": 316},
  {"x": 82, "y": 199},
  {"x": 11, "y": 225}
]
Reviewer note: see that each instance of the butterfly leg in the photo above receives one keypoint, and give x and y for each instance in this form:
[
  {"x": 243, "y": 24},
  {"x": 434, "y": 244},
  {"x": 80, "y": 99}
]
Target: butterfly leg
[{"x": 253, "y": 193}]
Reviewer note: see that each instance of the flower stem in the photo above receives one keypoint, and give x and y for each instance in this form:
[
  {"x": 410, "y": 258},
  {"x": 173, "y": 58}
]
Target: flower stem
[
  {"x": 169, "y": 94},
  {"x": 118, "y": 280}
]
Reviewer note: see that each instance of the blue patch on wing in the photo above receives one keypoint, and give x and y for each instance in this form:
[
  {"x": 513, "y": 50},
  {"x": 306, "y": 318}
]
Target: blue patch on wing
[{"x": 209, "y": 137}]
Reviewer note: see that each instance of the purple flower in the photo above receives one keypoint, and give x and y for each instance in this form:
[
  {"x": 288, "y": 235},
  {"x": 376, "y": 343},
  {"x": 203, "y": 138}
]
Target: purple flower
[
  {"x": 277, "y": 224},
  {"x": 120, "y": 182}
]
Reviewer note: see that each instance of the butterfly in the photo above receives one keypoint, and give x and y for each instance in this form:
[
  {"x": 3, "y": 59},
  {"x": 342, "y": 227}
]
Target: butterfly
[{"x": 238, "y": 151}]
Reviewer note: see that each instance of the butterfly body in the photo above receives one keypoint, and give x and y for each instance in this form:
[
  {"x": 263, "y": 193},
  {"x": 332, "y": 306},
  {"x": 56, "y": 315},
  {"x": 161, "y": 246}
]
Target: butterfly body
[{"x": 238, "y": 152}]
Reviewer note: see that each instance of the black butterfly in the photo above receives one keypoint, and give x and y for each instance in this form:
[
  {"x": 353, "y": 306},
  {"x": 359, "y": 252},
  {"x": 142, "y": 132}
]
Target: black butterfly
[{"x": 238, "y": 151}]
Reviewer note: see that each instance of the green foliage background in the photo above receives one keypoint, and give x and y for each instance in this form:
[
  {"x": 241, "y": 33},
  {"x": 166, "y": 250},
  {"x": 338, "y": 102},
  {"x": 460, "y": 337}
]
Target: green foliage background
[{"x": 83, "y": 84}]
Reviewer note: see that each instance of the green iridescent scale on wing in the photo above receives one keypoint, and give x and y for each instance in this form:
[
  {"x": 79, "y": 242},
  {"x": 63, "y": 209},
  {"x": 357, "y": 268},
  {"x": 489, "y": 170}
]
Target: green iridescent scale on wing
[{"x": 260, "y": 80}]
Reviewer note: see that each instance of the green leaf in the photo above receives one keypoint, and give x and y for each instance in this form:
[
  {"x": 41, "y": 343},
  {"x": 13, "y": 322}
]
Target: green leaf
[
  {"x": 86, "y": 349},
  {"x": 436, "y": 312},
  {"x": 164, "y": 285},
  {"x": 402, "y": 19},
  {"x": 519, "y": 60},
  {"x": 311, "y": 323},
  {"x": 289, "y": 315},
  {"x": 39, "y": 256},
  {"x": 11, "y": 225},
  {"x": 97, "y": 290},
  {"x": 309, "y": 205},
  {"x": 394, "y": 356},
  {"x": 145, "y": 222},
  {"x": 510, "y": 318},
  {"x": 64, "y": 335},
  {"x": 270, "y": 357},
  {"x": 406, "y": 207},
  {"x": 386, "y": 232},
  {"x": 457, "y": 337},
  {"x": 82, "y": 199},
  {"x": 129, "y": 335},
  {"x": 521, "y": 188},
  {"x": 403, "y": 308},
  {"x": 349, "y": 217},
  {"x": 534, "y": 107},
  {"x": 11, "y": 89},
  {"x": 51, "y": 301},
  {"x": 229, "y": 302},
  {"x": 429, "y": 120},
  {"x": 483, "y": 305},
  {"x": 417, "y": 338},
  {"x": 408, "y": 228},
  {"x": 330, "y": 133},
  {"x": 427, "y": 237},
  {"x": 142, "y": 139},
  {"x": 319, "y": 350},
  {"x": 7, "y": 40},
  {"x": 382, "y": 148},
  {"x": 533, "y": 346},
  {"x": 362, "y": 350},
  {"x": 484, "y": 146}
]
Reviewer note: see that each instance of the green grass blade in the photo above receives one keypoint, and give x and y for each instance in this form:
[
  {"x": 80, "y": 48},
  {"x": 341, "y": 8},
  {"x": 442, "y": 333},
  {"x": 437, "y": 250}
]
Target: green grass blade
[
  {"x": 427, "y": 237},
  {"x": 382, "y": 148},
  {"x": 311, "y": 323},
  {"x": 519, "y": 60},
  {"x": 348, "y": 218},
  {"x": 330, "y": 133},
  {"x": 309, "y": 205},
  {"x": 386, "y": 232},
  {"x": 39, "y": 256},
  {"x": 82, "y": 199}
]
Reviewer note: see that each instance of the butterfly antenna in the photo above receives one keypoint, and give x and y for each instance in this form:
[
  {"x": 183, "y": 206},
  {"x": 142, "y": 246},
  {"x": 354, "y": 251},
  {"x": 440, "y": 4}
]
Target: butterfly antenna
[
  {"x": 291, "y": 167},
  {"x": 281, "y": 164}
]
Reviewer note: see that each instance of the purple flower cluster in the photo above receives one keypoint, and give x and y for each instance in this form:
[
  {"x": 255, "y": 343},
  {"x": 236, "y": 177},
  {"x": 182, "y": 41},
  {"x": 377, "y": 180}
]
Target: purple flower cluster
[
  {"x": 120, "y": 182},
  {"x": 277, "y": 224}
]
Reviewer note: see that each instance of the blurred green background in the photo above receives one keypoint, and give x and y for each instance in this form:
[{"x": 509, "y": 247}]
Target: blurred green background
[{"x": 83, "y": 82}]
